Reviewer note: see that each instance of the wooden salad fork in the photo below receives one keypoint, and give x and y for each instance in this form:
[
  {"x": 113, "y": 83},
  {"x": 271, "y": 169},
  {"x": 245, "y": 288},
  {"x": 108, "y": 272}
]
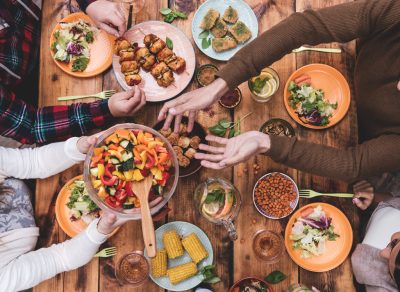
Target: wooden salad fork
[
  {"x": 142, "y": 189},
  {"x": 308, "y": 194},
  {"x": 106, "y": 252},
  {"x": 323, "y": 50},
  {"x": 102, "y": 95}
]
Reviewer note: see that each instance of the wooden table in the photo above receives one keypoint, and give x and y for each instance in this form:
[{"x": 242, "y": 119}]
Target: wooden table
[{"x": 233, "y": 260}]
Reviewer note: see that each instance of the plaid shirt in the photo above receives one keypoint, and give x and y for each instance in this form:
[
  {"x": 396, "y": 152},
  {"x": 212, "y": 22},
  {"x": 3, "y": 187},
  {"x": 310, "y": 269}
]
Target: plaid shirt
[{"x": 19, "y": 46}]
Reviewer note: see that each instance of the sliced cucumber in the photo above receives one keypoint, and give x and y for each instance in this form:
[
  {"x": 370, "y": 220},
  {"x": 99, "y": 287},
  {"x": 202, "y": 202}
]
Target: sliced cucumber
[
  {"x": 124, "y": 143},
  {"x": 127, "y": 156},
  {"x": 128, "y": 205},
  {"x": 111, "y": 191},
  {"x": 94, "y": 171},
  {"x": 114, "y": 160}
]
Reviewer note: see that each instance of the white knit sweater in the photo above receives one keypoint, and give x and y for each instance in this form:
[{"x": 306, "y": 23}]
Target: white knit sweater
[{"x": 20, "y": 266}]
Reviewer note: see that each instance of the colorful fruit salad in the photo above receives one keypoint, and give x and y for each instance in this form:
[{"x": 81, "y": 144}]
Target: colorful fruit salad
[{"x": 126, "y": 156}]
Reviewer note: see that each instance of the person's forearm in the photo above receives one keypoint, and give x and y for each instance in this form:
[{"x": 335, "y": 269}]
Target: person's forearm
[
  {"x": 340, "y": 23},
  {"x": 371, "y": 158},
  {"x": 40, "y": 162},
  {"x": 34, "y": 267},
  {"x": 62, "y": 122}
]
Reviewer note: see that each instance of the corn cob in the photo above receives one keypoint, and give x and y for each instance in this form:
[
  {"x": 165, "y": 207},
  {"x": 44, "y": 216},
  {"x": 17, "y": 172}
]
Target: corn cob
[
  {"x": 159, "y": 264},
  {"x": 172, "y": 244},
  {"x": 180, "y": 273},
  {"x": 194, "y": 247}
]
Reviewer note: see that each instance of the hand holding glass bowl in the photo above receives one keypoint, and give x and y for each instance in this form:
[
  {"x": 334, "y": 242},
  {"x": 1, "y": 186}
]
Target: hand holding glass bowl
[{"x": 163, "y": 185}]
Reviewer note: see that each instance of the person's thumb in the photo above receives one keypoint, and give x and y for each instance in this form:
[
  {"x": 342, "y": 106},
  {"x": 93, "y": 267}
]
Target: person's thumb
[
  {"x": 109, "y": 219},
  {"x": 126, "y": 95},
  {"x": 358, "y": 203}
]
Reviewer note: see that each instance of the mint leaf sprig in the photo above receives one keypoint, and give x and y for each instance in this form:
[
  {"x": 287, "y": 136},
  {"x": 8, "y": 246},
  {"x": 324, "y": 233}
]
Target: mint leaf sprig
[{"x": 224, "y": 126}]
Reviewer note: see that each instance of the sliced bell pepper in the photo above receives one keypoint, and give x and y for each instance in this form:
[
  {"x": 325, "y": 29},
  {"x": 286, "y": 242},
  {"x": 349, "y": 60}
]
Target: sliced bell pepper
[
  {"x": 96, "y": 183},
  {"x": 120, "y": 185},
  {"x": 164, "y": 179},
  {"x": 116, "y": 154},
  {"x": 111, "y": 201},
  {"x": 140, "y": 138},
  {"x": 137, "y": 176},
  {"x": 163, "y": 158},
  {"x": 101, "y": 170},
  {"x": 121, "y": 195},
  {"x": 150, "y": 161},
  {"x": 122, "y": 134},
  {"x": 119, "y": 174},
  {"x": 133, "y": 137},
  {"x": 108, "y": 181},
  {"x": 112, "y": 138},
  {"x": 145, "y": 172},
  {"x": 113, "y": 147},
  {"x": 160, "y": 149},
  {"x": 128, "y": 189},
  {"x": 98, "y": 151},
  {"x": 157, "y": 173},
  {"x": 109, "y": 169},
  {"x": 95, "y": 160},
  {"x": 154, "y": 144},
  {"x": 128, "y": 175},
  {"x": 102, "y": 192}
]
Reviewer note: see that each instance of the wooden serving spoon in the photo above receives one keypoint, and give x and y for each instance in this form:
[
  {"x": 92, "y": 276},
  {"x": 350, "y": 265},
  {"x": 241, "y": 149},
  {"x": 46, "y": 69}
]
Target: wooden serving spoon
[{"x": 142, "y": 189}]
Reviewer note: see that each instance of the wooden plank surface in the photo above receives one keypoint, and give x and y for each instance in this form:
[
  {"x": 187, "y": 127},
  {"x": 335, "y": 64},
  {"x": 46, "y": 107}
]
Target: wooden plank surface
[{"x": 234, "y": 260}]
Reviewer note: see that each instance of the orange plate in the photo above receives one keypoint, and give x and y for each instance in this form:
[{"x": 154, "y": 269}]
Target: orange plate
[
  {"x": 62, "y": 211},
  {"x": 336, "y": 251},
  {"x": 332, "y": 82},
  {"x": 101, "y": 50},
  {"x": 181, "y": 46}
]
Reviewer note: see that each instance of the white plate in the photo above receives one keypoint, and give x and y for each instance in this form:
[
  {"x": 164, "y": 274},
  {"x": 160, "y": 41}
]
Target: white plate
[
  {"x": 246, "y": 15},
  {"x": 183, "y": 229},
  {"x": 182, "y": 47}
]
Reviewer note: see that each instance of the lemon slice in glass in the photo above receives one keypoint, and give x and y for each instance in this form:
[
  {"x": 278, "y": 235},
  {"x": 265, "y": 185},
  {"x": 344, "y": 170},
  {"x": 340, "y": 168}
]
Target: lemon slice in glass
[{"x": 211, "y": 208}]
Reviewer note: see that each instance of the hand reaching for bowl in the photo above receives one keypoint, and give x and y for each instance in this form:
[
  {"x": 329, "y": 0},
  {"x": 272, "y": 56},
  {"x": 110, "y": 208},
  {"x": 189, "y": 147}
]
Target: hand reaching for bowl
[
  {"x": 363, "y": 194},
  {"x": 108, "y": 16},
  {"x": 125, "y": 104},
  {"x": 109, "y": 222},
  {"x": 234, "y": 150},
  {"x": 191, "y": 102}
]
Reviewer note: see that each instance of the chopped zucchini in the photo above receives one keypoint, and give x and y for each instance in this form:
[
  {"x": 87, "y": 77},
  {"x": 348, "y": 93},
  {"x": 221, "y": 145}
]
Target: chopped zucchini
[
  {"x": 94, "y": 171},
  {"x": 127, "y": 165},
  {"x": 128, "y": 205},
  {"x": 124, "y": 143},
  {"x": 111, "y": 191},
  {"x": 127, "y": 156},
  {"x": 114, "y": 160}
]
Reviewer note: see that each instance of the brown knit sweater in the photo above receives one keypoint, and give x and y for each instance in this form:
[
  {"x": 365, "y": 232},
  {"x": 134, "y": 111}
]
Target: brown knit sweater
[{"x": 377, "y": 24}]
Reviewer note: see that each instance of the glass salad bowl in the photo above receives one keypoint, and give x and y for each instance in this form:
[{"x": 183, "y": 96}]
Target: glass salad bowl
[{"x": 105, "y": 190}]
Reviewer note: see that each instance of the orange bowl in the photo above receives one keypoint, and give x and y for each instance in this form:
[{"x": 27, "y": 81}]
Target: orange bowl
[
  {"x": 336, "y": 251},
  {"x": 332, "y": 82},
  {"x": 101, "y": 50}
]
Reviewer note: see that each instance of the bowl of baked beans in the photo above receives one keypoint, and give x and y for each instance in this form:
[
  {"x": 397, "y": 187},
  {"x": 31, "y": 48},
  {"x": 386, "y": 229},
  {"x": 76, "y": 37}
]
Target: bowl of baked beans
[{"x": 275, "y": 195}]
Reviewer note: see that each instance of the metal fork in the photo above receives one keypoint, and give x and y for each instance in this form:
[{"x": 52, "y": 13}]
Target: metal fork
[
  {"x": 323, "y": 50},
  {"x": 102, "y": 95},
  {"x": 308, "y": 194},
  {"x": 106, "y": 252}
]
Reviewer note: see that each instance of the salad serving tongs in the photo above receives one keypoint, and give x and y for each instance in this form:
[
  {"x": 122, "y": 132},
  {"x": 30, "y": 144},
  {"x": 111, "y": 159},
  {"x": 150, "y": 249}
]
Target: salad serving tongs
[
  {"x": 102, "y": 95},
  {"x": 142, "y": 189},
  {"x": 308, "y": 194},
  {"x": 323, "y": 50}
]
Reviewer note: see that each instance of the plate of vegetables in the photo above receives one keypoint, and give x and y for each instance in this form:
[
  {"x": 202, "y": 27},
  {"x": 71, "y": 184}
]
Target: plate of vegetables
[
  {"x": 74, "y": 208},
  {"x": 317, "y": 96},
  {"x": 318, "y": 237},
  {"x": 126, "y": 153},
  {"x": 79, "y": 48}
]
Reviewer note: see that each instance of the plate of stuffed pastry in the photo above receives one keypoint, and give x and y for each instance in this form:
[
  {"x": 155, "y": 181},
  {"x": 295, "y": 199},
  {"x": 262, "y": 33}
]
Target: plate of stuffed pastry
[
  {"x": 221, "y": 28},
  {"x": 156, "y": 56}
]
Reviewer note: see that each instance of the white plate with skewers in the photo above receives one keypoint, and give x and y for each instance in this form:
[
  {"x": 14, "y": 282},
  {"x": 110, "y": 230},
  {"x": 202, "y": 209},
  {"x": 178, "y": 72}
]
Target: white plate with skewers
[{"x": 165, "y": 61}]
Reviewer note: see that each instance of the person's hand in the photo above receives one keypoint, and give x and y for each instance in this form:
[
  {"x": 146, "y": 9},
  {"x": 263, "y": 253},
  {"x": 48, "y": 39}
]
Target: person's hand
[
  {"x": 191, "y": 102},
  {"x": 109, "y": 222},
  {"x": 85, "y": 142},
  {"x": 363, "y": 194},
  {"x": 233, "y": 150},
  {"x": 108, "y": 16},
  {"x": 123, "y": 104}
]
